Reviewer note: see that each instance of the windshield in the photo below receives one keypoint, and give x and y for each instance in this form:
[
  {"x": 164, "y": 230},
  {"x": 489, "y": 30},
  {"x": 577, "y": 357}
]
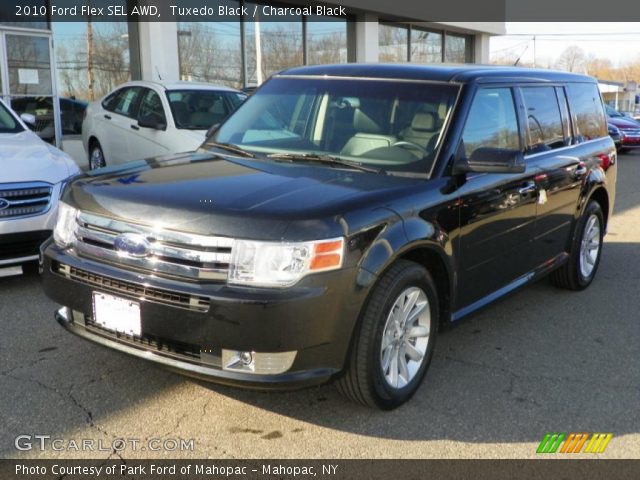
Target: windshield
[
  {"x": 8, "y": 123},
  {"x": 201, "y": 109},
  {"x": 387, "y": 124}
]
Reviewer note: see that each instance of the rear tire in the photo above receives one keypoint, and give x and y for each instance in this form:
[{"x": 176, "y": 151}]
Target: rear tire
[
  {"x": 393, "y": 346},
  {"x": 96, "y": 156},
  {"x": 584, "y": 258}
]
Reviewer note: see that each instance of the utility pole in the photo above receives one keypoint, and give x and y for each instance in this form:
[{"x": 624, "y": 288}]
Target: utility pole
[
  {"x": 90, "y": 57},
  {"x": 534, "y": 51}
]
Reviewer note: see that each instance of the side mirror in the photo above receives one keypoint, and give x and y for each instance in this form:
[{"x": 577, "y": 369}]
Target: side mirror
[
  {"x": 212, "y": 130},
  {"x": 152, "y": 121},
  {"x": 491, "y": 160},
  {"x": 28, "y": 118}
]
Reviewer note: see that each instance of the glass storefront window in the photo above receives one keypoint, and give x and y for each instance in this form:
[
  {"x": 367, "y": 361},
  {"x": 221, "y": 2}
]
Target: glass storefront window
[
  {"x": 393, "y": 43},
  {"x": 402, "y": 43},
  {"x": 326, "y": 41},
  {"x": 271, "y": 46},
  {"x": 426, "y": 46},
  {"x": 29, "y": 65},
  {"x": 92, "y": 58},
  {"x": 456, "y": 48},
  {"x": 210, "y": 52}
]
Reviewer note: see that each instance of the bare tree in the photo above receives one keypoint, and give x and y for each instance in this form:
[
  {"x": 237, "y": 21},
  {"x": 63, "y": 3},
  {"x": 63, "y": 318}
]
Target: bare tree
[{"x": 572, "y": 59}]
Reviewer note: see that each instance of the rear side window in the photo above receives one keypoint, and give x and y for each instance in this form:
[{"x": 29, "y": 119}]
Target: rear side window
[
  {"x": 491, "y": 122},
  {"x": 123, "y": 102},
  {"x": 586, "y": 107},
  {"x": 544, "y": 122}
]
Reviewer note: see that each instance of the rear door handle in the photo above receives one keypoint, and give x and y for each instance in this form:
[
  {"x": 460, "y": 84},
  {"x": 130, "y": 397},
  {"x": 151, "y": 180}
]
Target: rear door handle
[
  {"x": 108, "y": 117},
  {"x": 529, "y": 187},
  {"x": 135, "y": 127}
]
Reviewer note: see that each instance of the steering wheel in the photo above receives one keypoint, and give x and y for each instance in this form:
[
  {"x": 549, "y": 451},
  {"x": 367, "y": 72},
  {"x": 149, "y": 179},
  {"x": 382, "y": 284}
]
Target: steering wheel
[{"x": 411, "y": 146}]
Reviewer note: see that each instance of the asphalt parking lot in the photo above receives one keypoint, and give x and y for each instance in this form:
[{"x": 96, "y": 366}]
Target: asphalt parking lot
[{"x": 543, "y": 360}]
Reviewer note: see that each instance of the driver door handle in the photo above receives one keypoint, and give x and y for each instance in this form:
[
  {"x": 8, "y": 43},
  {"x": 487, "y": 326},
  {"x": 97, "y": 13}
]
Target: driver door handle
[
  {"x": 580, "y": 171},
  {"x": 529, "y": 187}
]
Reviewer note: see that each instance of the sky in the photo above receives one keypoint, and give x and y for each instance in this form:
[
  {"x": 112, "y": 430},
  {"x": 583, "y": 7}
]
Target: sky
[{"x": 617, "y": 41}]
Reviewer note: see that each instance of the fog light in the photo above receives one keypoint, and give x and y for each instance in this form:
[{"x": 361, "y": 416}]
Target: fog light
[{"x": 260, "y": 363}]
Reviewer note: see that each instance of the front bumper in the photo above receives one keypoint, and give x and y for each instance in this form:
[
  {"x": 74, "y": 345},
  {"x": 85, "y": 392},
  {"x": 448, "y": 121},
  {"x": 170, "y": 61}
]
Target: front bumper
[
  {"x": 630, "y": 140},
  {"x": 315, "y": 318}
]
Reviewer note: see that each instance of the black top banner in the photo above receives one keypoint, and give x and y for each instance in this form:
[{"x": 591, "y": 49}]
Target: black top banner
[{"x": 33, "y": 11}]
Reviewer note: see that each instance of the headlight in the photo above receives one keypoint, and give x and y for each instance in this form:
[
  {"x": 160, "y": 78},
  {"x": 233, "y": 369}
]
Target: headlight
[
  {"x": 65, "y": 229},
  {"x": 271, "y": 264}
]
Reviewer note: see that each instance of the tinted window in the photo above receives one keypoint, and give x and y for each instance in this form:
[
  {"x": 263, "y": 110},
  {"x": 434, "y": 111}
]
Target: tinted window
[
  {"x": 544, "y": 123},
  {"x": 151, "y": 106},
  {"x": 491, "y": 122},
  {"x": 125, "y": 102},
  {"x": 586, "y": 107}
]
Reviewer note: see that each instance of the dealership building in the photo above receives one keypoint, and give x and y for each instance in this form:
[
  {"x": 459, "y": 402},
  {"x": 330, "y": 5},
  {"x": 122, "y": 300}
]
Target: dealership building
[{"x": 42, "y": 61}]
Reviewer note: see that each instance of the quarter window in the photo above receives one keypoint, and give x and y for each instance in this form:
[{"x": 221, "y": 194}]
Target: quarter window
[
  {"x": 491, "y": 122},
  {"x": 586, "y": 106},
  {"x": 544, "y": 122}
]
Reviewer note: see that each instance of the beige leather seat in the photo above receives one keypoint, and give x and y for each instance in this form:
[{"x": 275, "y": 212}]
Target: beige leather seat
[
  {"x": 367, "y": 137},
  {"x": 423, "y": 128}
]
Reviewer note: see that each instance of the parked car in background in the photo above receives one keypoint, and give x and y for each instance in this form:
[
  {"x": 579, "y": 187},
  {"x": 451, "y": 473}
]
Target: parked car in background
[
  {"x": 31, "y": 180},
  {"x": 334, "y": 222},
  {"x": 615, "y": 134},
  {"x": 144, "y": 119},
  {"x": 629, "y": 128},
  {"x": 71, "y": 115}
]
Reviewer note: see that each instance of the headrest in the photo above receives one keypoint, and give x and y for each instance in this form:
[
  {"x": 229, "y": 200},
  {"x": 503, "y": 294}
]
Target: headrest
[
  {"x": 363, "y": 123},
  {"x": 424, "y": 122}
]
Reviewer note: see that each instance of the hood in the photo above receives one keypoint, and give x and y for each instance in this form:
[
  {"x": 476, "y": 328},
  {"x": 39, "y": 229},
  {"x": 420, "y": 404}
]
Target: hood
[
  {"x": 248, "y": 198},
  {"x": 24, "y": 157},
  {"x": 623, "y": 122}
]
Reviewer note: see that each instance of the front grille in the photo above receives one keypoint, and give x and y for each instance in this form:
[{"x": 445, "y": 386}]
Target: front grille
[
  {"x": 160, "y": 346},
  {"x": 24, "y": 199},
  {"x": 170, "y": 254},
  {"x": 132, "y": 290},
  {"x": 631, "y": 131}
]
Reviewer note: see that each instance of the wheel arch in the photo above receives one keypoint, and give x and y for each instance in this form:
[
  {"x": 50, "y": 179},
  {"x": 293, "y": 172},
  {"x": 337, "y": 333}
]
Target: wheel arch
[{"x": 600, "y": 195}]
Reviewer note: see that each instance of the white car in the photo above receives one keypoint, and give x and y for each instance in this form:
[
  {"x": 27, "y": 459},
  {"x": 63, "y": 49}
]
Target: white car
[
  {"x": 144, "y": 119},
  {"x": 32, "y": 175}
]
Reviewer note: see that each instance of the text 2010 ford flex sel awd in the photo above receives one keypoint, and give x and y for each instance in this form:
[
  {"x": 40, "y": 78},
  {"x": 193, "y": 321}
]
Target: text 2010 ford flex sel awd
[{"x": 335, "y": 221}]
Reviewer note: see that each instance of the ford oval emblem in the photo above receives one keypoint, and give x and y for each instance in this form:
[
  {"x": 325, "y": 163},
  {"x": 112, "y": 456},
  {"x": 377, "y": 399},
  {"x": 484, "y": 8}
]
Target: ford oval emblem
[
  {"x": 4, "y": 204},
  {"x": 132, "y": 245}
]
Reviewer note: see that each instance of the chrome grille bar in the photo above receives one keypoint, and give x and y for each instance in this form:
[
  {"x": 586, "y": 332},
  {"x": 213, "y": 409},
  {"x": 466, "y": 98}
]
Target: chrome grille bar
[
  {"x": 171, "y": 254},
  {"x": 24, "y": 199}
]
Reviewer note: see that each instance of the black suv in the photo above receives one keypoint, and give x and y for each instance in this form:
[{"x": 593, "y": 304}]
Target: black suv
[{"x": 336, "y": 221}]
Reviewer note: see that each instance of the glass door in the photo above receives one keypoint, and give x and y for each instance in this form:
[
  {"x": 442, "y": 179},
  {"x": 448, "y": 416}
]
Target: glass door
[{"x": 28, "y": 85}]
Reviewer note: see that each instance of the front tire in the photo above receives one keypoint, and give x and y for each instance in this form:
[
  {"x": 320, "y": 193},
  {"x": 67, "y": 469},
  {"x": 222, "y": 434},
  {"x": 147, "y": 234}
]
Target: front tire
[
  {"x": 96, "y": 156},
  {"x": 584, "y": 258},
  {"x": 393, "y": 346}
]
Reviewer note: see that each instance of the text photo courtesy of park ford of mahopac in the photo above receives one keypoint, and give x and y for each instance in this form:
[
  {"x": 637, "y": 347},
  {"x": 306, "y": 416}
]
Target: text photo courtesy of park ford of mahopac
[{"x": 342, "y": 240}]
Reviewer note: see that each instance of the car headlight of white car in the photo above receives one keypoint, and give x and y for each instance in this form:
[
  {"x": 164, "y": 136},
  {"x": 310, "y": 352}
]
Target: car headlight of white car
[
  {"x": 274, "y": 264},
  {"x": 66, "y": 224}
]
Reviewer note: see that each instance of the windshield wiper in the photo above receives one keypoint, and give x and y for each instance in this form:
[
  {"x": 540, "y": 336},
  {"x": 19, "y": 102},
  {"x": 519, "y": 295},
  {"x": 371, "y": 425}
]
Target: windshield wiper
[
  {"x": 328, "y": 159},
  {"x": 231, "y": 148}
]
